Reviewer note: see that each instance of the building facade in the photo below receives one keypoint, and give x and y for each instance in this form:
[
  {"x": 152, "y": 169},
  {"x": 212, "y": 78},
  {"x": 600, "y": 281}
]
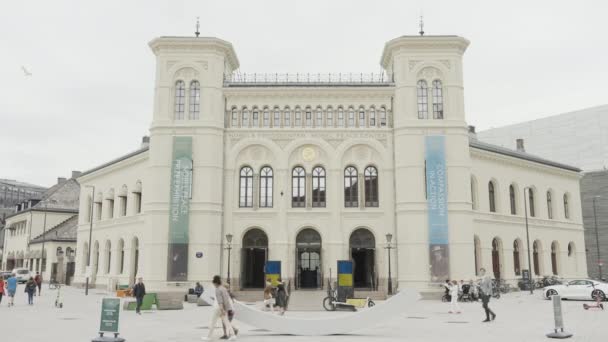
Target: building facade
[
  {"x": 577, "y": 138},
  {"x": 308, "y": 170},
  {"x": 25, "y": 228}
]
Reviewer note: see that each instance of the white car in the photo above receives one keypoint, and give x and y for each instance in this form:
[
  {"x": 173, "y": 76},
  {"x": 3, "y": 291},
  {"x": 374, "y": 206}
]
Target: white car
[
  {"x": 22, "y": 274},
  {"x": 578, "y": 289}
]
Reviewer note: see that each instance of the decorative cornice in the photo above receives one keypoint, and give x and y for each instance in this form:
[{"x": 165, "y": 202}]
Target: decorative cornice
[
  {"x": 195, "y": 44},
  {"x": 423, "y": 43}
]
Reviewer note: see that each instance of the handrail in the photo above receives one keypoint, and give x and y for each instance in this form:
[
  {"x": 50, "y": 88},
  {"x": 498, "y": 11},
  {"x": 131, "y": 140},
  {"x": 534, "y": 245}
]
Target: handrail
[{"x": 308, "y": 78}]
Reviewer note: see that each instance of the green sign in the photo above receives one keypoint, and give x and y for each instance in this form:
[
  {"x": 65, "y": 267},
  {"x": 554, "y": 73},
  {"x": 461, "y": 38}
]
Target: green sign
[
  {"x": 179, "y": 209},
  {"x": 110, "y": 310}
]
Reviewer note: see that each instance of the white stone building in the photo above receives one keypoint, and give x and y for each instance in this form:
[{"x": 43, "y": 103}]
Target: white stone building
[{"x": 311, "y": 169}]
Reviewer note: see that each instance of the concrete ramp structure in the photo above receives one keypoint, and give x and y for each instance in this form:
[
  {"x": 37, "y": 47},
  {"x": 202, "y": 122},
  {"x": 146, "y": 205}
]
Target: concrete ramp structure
[{"x": 342, "y": 323}]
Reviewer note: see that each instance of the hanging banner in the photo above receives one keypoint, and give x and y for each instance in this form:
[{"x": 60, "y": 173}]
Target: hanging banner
[
  {"x": 436, "y": 190},
  {"x": 345, "y": 280},
  {"x": 179, "y": 210},
  {"x": 273, "y": 271}
]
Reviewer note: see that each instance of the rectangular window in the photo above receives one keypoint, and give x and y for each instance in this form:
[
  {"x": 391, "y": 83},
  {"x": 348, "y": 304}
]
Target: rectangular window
[
  {"x": 298, "y": 120},
  {"x": 372, "y": 118},
  {"x": 351, "y": 118},
  {"x": 308, "y": 118},
  {"x": 137, "y": 204},
  {"x": 340, "y": 118},
  {"x": 319, "y": 118},
  {"x": 287, "y": 118},
  {"x": 255, "y": 121},
  {"x": 266, "y": 118},
  {"x": 361, "y": 118},
  {"x": 245, "y": 119},
  {"x": 123, "y": 206},
  {"x": 235, "y": 118},
  {"x": 277, "y": 119},
  {"x": 110, "y": 208},
  {"x": 330, "y": 118}
]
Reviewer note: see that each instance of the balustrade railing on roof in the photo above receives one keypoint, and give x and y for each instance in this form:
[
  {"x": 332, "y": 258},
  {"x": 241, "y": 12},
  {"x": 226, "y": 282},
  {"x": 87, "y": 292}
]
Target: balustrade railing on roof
[{"x": 308, "y": 78}]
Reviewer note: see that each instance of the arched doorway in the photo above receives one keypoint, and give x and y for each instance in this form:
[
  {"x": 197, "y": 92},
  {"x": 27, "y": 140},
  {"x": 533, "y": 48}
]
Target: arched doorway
[
  {"x": 308, "y": 258},
  {"x": 536, "y": 250},
  {"x": 362, "y": 252},
  {"x": 477, "y": 245},
  {"x": 554, "y": 257},
  {"x": 134, "y": 260},
  {"x": 253, "y": 258},
  {"x": 496, "y": 262}
]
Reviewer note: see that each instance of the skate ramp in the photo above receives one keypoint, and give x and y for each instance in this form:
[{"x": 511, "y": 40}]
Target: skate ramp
[{"x": 338, "y": 323}]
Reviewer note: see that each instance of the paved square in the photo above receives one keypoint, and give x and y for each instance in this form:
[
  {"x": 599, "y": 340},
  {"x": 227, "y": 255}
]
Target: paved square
[{"x": 521, "y": 317}]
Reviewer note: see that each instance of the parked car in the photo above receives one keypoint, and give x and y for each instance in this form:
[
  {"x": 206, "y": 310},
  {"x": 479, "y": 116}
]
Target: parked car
[
  {"x": 5, "y": 275},
  {"x": 578, "y": 289},
  {"x": 22, "y": 274}
]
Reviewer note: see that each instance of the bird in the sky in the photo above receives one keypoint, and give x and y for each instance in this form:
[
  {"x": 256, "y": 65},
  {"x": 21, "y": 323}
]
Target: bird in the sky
[{"x": 25, "y": 72}]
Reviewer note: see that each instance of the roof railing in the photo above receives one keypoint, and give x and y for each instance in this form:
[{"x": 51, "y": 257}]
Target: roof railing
[{"x": 308, "y": 78}]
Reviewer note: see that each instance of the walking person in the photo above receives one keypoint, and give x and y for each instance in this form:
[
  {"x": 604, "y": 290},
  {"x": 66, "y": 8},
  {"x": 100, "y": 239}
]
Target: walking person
[
  {"x": 268, "y": 297},
  {"x": 139, "y": 291},
  {"x": 30, "y": 289},
  {"x": 1, "y": 289},
  {"x": 281, "y": 300},
  {"x": 230, "y": 316},
  {"x": 486, "y": 293},
  {"x": 223, "y": 309},
  {"x": 38, "y": 280},
  {"x": 454, "y": 306},
  {"x": 11, "y": 288}
]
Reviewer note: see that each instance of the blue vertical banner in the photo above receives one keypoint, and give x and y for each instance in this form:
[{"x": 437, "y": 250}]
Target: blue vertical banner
[
  {"x": 273, "y": 271},
  {"x": 436, "y": 194}
]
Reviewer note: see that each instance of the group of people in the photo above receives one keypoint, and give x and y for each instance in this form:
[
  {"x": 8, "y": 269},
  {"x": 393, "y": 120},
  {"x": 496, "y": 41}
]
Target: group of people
[
  {"x": 275, "y": 296},
  {"x": 9, "y": 288},
  {"x": 453, "y": 289}
]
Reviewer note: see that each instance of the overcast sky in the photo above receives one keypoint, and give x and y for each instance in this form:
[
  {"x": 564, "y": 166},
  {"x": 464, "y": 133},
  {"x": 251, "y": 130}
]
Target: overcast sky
[{"x": 89, "y": 98}]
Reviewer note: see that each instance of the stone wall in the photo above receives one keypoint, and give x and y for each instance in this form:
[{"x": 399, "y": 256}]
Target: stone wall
[{"x": 595, "y": 184}]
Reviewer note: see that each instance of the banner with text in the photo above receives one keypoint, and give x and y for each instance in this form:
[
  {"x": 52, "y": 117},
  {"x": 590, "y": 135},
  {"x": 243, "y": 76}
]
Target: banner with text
[
  {"x": 179, "y": 210},
  {"x": 436, "y": 190}
]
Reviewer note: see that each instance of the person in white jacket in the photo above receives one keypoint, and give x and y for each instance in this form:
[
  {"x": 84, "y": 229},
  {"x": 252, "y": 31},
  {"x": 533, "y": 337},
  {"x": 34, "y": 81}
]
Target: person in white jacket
[{"x": 454, "y": 289}]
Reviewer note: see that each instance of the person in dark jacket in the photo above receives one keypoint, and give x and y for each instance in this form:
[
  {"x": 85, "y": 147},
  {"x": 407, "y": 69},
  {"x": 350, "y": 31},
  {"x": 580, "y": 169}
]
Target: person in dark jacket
[
  {"x": 281, "y": 300},
  {"x": 30, "y": 289},
  {"x": 38, "y": 281},
  {"x": 139, "y": 291},
  {"x": 486, "y": 293},
  {"x": 198, "y": 289}
]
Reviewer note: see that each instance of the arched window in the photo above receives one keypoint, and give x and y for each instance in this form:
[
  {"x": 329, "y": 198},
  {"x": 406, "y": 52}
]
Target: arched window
[
  {"x": 319, "y": 122},
  {"x": 492, "y": 195},
  {"x": 194, "y": 100},
  {"x": 277, "y": 118},
  {"x": 382, "y": 117},
  {"x": 351, "y": 188},
  {"x": 361, "y": 117},
  {"x": 571, "y": 249},
  {"x": 512, "y": 200},
  {"x": 549, "y": 205},
  {"x": 371, "y": 187},
  {"x": 121, "y": 260},
  {"x": 340, "y": 117},
  {"x": 437, "y": 100},
  {"x": 308, "y": 117},
  {"x": 180, "y": 99},
  {"x": 566, "y": 207},
  {"x": 554, "y": 256},
  {"x": 516, "y": 258},
  {"x": 108, "y": 256},
  {"x": 423, "y": 100},
  {"x": 245, "y": 118},
  {"x": 298, "y": 119},
  {"x": 477, "y": 251},
  {"x": 496, "y": 258},
  {"x": 234, "y": 117},
  {"x": 246, "y": 187},
  {"x": 330, "y": 117},
  {"x": 318, "y": 187},
  {"x": 531, "y": 200},
  {"x": 266, "y": 187},
  {"x": 137, "y": 198},
  {"x": 372, "y": 117},
  {"x": 287, "y": 118},
  {"x": 298, "y": 187},
  {"x": 122, "y": 201},
  {"x": 266, "y": 118},
  {"x": 351, "y": 117},
  {"x": 255, "y": 118},
  {"x": 474, "y": 202}
]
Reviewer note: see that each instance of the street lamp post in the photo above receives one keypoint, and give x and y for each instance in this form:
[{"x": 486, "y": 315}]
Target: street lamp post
[
  {"x": 531, "y": 284},
  {"x": 388, "y": 247},
  {"x": 43, "y": 260},
  {"x": 229, "y": 248},
  {"x": 86, "y": 286},
  {"x": 597, "y": 238}
]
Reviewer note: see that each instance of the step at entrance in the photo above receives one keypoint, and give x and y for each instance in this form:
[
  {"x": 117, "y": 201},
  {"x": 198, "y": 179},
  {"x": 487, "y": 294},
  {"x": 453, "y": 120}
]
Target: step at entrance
[{"x": 304, "y": 300}]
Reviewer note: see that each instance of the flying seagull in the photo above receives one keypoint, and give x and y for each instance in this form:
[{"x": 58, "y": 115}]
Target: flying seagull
[{"x": 25, "y": 72}]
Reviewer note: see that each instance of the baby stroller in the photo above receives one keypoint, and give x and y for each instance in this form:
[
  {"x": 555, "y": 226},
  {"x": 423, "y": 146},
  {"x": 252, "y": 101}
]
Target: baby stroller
[{"x": 465, "y": 293}]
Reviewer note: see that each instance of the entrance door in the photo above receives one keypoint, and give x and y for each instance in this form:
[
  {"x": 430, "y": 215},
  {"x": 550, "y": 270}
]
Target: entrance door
[
  {"x": 308, "y": 256},
  {"x": 362, "y": 253},
  {"x": 253, "y": 259},
  {"x": 69, "y": 273},
  {"x": 496, "y": 258}
]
